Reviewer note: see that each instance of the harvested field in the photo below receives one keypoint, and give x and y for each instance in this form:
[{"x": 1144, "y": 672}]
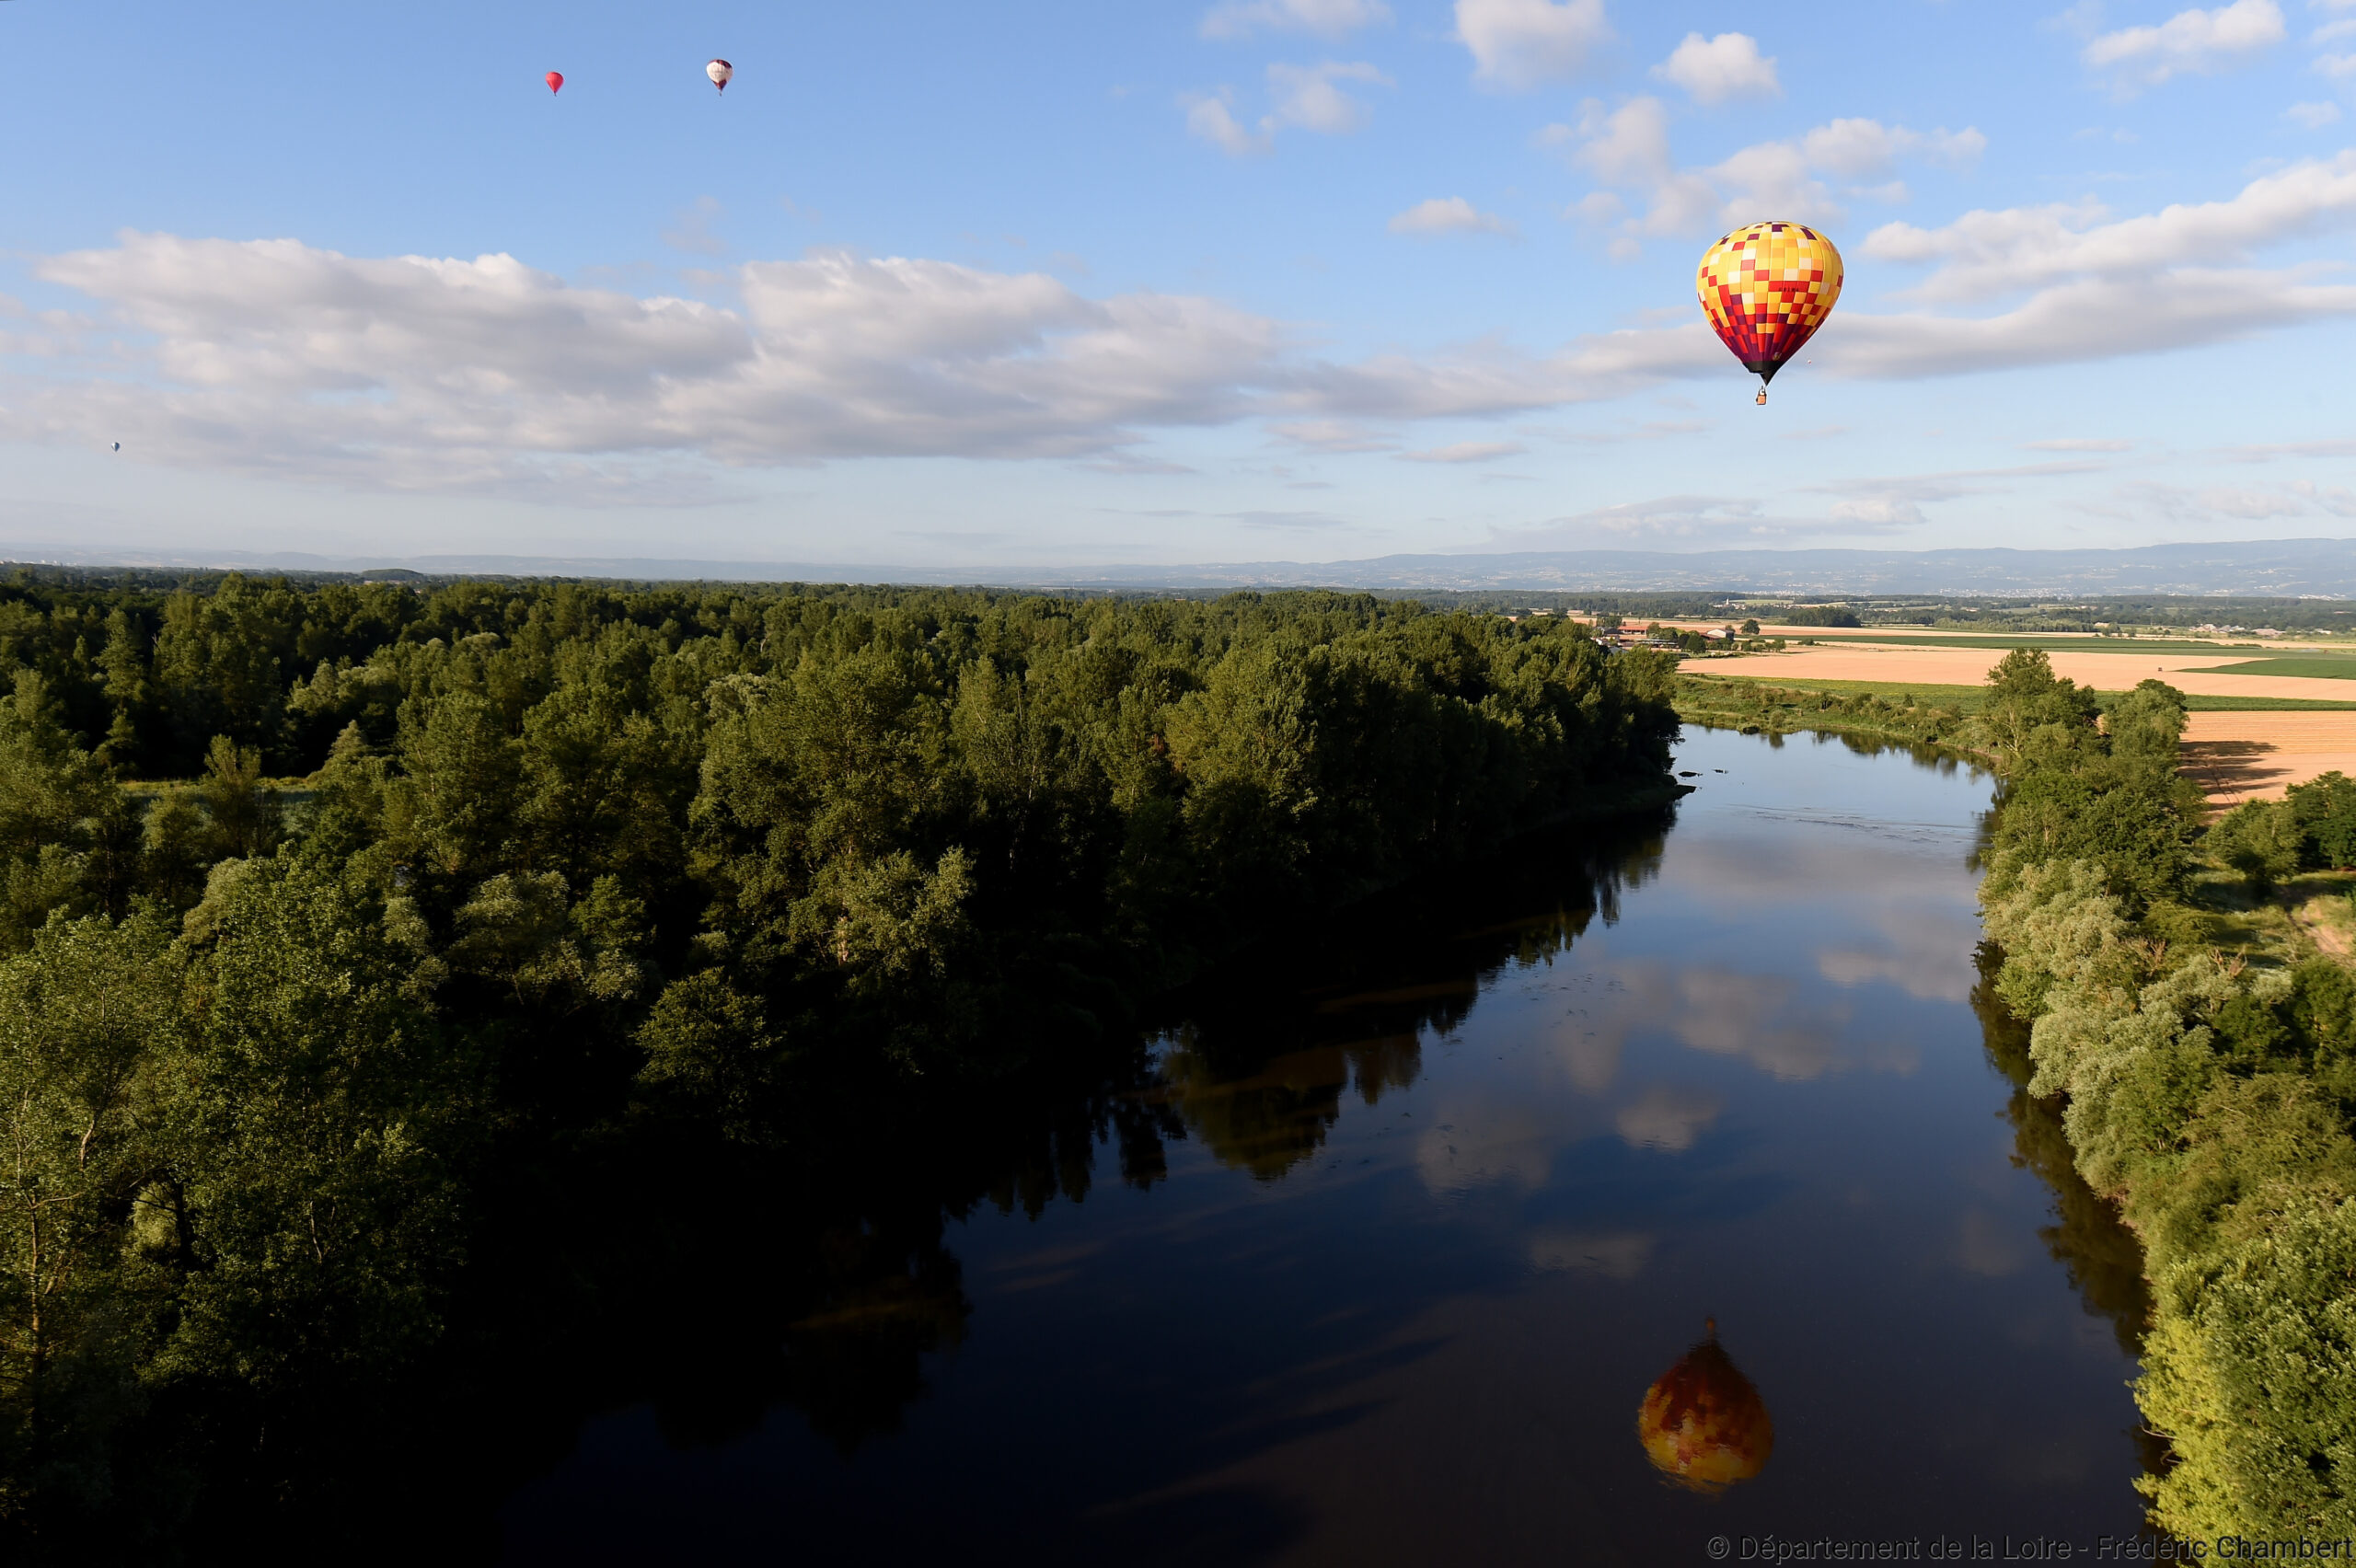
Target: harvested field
[
  {"x": 2193, "y": 674},
  {"x": 2256, "y": 756},
  {"x": 2234, "y": 757}
]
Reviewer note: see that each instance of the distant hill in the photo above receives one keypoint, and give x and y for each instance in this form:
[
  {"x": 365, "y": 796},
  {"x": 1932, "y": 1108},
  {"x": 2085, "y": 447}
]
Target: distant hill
[{"x": 2261, "y": 567}]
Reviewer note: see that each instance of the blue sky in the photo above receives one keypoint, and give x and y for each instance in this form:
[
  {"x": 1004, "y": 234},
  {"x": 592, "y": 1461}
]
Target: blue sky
[{"x": 1232, "y": 280}]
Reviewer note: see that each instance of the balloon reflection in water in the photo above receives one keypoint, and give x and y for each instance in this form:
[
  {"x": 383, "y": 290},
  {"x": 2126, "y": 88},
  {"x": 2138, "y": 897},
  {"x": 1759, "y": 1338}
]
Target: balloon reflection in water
[{"x": 1702, "y": 1424}]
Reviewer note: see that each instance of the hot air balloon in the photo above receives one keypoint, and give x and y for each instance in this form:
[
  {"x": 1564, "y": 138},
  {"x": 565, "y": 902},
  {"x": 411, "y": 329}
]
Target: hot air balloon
[
  {"x": 720, "y": 71},
  {"x": 1702, "y": 1424},
  {"x": 555, "y": 79},
  {"x": 1766, "y": 288}
]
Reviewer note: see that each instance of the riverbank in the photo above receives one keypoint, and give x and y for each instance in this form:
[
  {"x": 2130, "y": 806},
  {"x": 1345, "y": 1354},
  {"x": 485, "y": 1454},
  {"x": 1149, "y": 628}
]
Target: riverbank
[
  {"x": 2204, "y": 1051},
  {"x": 2197, "y": 1034},
  {"x": 1754, "y": 708},
  {"x": 2236, "y": 748}
]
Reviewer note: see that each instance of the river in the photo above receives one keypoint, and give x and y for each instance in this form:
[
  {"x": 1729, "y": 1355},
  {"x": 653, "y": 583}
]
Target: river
[{"x": 1375, "y": 1263}]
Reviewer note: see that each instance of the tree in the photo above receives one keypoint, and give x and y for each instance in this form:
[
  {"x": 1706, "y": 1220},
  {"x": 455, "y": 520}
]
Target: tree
[
  {"x": 317, "y": 1131},
  {"x": 2324, "y": 808},
  {"x": 2260, "y": 840},
  {"x": 2032, "y": 714},
  {"x": 87, "y": 1016},
  {"x": 464, "y": 776},
  {"x": 243, "y": 809}
]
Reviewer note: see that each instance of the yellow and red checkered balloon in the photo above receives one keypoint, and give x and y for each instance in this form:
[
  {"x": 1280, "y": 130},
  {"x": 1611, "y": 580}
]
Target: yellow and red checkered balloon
[{"x": 1766, "y": 288}]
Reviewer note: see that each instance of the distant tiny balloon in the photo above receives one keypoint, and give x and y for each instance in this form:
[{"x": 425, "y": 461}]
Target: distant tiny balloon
[
  {"x": 720, "y": 71},
  {"x": 555, "y": 80},
  {"x": 117, "y": 447}
]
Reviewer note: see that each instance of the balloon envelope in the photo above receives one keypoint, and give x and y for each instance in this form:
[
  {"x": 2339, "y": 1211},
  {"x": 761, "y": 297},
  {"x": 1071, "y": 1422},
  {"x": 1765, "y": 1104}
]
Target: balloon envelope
[
  {"x": 555, "y": 80},
  {"x": 1702, "y": 1424},
  {"x": 1766, "y": 288},
  {"x": 720, "y": 71}
]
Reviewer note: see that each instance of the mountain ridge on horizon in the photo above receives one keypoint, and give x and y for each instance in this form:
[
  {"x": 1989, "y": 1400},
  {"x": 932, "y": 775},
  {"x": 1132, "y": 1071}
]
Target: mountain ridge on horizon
[{"x": 2308, "y": 568}]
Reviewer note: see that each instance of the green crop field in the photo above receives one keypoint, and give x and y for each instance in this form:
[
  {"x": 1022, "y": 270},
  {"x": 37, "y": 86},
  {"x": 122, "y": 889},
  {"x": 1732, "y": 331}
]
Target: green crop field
[
  {"x": 2312, "y": 668},
  {"x": 2049, "y": 644}
]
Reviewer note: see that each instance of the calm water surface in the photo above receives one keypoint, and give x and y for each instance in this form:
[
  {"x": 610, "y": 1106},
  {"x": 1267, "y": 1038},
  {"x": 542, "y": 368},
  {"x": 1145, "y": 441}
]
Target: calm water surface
[{"x": 1399, "y": 1251}]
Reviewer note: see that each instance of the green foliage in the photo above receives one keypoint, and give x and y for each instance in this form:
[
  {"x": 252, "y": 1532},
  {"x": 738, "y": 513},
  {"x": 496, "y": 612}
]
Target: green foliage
[
  {"x": 432, "y": 875},
  {"x": 2075, "y": 790},
  {"x": 1819, "y": 614},
  {"x": 2325, "y": 812},
  {"x": 2275, "y": 1333},
  {"x": 2260, "y": 839},
  {"x": 2210, "y": 1099},
  {"x": 1748, "y": 705},
  {"x": 316, "y": 1132},
  {"x": 88, "y": 1017}
]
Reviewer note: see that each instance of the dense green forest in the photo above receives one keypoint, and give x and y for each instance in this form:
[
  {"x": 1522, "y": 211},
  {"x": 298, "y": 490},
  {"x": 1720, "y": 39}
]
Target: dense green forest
[
  {"x": 2210, "y": 1094},
  {"x": 341, "y": 920}
]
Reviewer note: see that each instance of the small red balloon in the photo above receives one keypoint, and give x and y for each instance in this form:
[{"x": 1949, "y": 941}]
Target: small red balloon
[{"x": 555, "y": 80}]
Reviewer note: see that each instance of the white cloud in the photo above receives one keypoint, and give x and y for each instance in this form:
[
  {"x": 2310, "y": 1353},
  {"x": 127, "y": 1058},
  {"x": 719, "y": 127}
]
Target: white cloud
[
  {"x": 1865, "y": 149},
  {"x": 2340, "y": 446},
  {"x": 1720, "y": 69},
  {"x": 1986, "y": 253},
  {"x": 1326, "y": 19},
  {"x": 1753, "y": 1017},
  {"x": 1669, "y": 519},
  {"x": 1668, "y": 1119},
  {"x": 1210, "y": 117},
  {"x": 489, "y": 376},
  {"x": 1896, "y": 501},
  {"x": 1487, "y": 377},
  {"x": 1332, "y": 435},
  {"x": 1990, "y": 1247},
  {"x": 2312, "y": 116},
  {"x": 2217, "y": 503},
  {"x": 1520, "y": 43},
  {"x": 1628, "y": 147},
  {"x": 1307, "y": 96},
  {"x": 1448, "y": 214},
  {"x": 1893, "y": 510},
  {"x": 2191, "y": 42},
  {"x": 1467, "y": 451},
  {"x": 2073, "y": 443},
  {"x": 2253, "y": 506},
  {"x": 416, "y": 373},
  {"x": 1923, "y": 950},
  {"x": 2339, "y": 67}
]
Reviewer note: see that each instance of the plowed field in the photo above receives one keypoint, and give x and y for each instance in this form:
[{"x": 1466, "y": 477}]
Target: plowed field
[{"x": 2254, "y": 756}]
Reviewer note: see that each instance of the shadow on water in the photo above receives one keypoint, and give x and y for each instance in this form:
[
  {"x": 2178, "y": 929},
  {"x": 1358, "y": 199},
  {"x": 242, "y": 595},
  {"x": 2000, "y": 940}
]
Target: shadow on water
[
  {"x": 1259, "y": 1067},
  {"x": 696, "y": 1299},
  {"x": 709, "y": 1286},
  {"x": 2087, "y": 1238},
  {"x": 839, "y": 1317}
]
